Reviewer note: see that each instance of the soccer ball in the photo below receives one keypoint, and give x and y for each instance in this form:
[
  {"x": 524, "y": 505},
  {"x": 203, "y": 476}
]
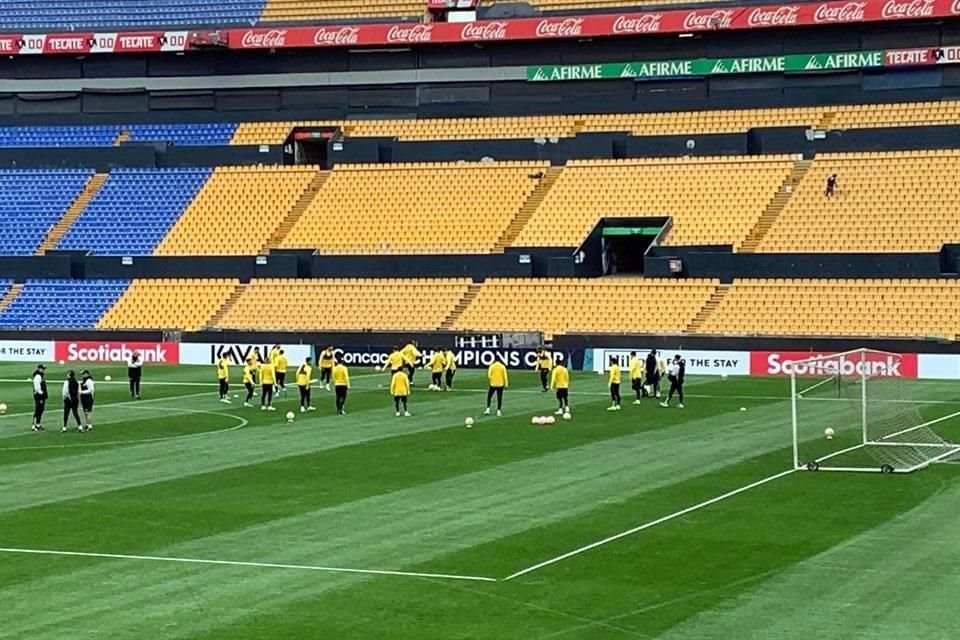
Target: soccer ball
[
  {"x": 290, "y": 416},
  {"x": 376, "y": 368},
  {"x": 535, "y": 420},
  {"x": 828, "y": 433},
  {"x": 108, "y": 378},
  {"x": 62, "y": 363},
  {"x": 3, "y": 408},
  {"x": 723, "y": 376},
  {"x": 550, "y": 419},
  {"x": 468, "y": 422},
  {"x": 567, "y": 416},
  {"x": 743, "y": 408}
]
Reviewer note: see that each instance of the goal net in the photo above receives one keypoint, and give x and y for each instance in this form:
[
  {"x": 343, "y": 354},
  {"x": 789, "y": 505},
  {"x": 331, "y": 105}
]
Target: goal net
[{"x": 853, "y": 411}]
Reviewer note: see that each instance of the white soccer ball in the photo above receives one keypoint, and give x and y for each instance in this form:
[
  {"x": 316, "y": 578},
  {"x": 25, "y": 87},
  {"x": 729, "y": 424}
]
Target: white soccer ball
[
  {"x": 108, "y": 378},
  {"x": 3, "y": 407},
  {"x": 550, "y": 420},
  {"x": 376, "y": 368},
  {"x": 743, "y": 408},
  {"x": 723, "y": 376},
  {"x": 62, "y": 363},
  {"x": 290, "y": 416},
  {"x": 567, "y": 416},
  {"x": 468, "y": 422},
  {"x": 535, "y": 420},
  {"x": 828, "y": 433}
]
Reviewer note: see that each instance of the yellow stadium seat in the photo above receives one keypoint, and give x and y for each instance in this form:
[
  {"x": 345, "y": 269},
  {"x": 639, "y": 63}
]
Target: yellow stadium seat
[{"x": 186, "y": 305}]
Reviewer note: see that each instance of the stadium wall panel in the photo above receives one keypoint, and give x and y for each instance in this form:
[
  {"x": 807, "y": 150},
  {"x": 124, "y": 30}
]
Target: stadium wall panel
[
  {"x": 100, "y": 158},
  {"x": 182, "y": 100},
  {"x": 175, "y": 156},
  {"x": 120, "y": 101},
  {"x": 478, "y": 266}
]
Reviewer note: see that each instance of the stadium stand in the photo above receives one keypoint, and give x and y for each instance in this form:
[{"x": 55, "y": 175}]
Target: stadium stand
[
  {"x": 237, "y": 210},
  {"x": 732, "y": 193},
  {"x": 376, "y": 304},
  {"x": 31, "y": 203},
  {"x": 302, "y": 10},
  {"x": 168, "y": 304},
  {"x": 133, "y": 210},
  {"x": 606, "y": 305},
  {"x": 868, "y": 308},
  {"x": 74, "y": 304},
  {"x": 63, "y": 136},
  {"x": 71, "y": 14},
  {"x": 182, "y": 134},
  {"x": 415, "y": 208},
  {"x": 870, "y": 213}
]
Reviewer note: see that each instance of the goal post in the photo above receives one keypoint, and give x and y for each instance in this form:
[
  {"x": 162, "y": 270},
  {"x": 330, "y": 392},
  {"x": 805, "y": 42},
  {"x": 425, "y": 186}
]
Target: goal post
[{"x": 854, "y": 411}]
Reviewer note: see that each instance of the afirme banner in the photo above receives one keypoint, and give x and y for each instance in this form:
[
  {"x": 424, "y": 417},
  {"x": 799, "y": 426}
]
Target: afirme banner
[
  {"x": 26, "y": 351},
  {"x": 772, "y": 16},
  {"x": 707, "y": 363},
  {"x": 237, "y": 353},
  {"x": 707, "y": 66},
  {"x": 117, "y": 352},
  {"x": 466, "y": 358}
]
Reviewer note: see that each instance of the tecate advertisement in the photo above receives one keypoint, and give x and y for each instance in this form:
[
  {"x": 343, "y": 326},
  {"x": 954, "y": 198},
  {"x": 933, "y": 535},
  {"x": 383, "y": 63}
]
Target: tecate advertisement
[
  {"x": 783, "y": 363},
  {"x": 237, "y": 353},
  {"x": 702, "y": 363},
  {"x": 117, "y": 352},
  {"x": 26, "y": 351},
  {"x": 467, "y": 358}
]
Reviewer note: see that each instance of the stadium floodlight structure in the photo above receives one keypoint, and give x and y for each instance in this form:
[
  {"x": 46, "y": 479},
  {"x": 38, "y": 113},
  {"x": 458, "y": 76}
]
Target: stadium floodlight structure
[{"x": 854, "y": 411}]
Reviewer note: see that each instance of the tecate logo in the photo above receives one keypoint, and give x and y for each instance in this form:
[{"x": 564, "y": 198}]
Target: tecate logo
[
  {"x": 909, "y": 9},
  {"x": 410, "y": 33},
  {"x": 647, "y": 23},
  {"x": 850, "y": 12},
  {"x": 719, "y": 19},
  {"x": 342, "y": 36},
  {"x": 264, "y": 39},
  {"x": 484, "y": 31},
  {"x": 883, "y": 366},
  {"x": 777, "y": 17},
  {"x": 554, "y": 28}
]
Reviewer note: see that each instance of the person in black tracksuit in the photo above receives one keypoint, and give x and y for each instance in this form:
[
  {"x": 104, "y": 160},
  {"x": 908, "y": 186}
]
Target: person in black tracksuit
[
  {"x": 71, "y": 400},
  {"x": 87, "y": 393},
  {"x": 653, "y": 374},
  {"x": 675, "y": 373},
  {"x": 39, "y": 396},
  {"x": 134, "y": 373}
]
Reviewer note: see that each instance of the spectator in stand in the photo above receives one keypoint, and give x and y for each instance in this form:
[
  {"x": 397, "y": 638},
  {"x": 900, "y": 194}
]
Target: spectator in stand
[{"x": 831, "y": 187}]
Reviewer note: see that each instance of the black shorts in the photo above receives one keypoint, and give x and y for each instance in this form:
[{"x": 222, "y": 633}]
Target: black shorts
[
  {"x": 281, "y": 378},
  {"x": 636, "y": 383},
  {"x": 563, "y": 394},
  {"x": 86, "y": 402}
]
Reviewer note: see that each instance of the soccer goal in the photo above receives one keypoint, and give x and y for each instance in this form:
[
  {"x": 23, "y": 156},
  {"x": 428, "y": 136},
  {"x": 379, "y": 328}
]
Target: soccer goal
[{"x": 854, "y": 411}]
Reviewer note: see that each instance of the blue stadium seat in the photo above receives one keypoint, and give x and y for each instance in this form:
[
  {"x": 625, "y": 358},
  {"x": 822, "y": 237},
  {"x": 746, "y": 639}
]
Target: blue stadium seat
[
  {"x": 73, "y": 304},
  {"x": 31, "y": 202},
  {"x": 217, "y": 134},
  {"x": 134, "y": 210},
  {"x": 72, "y": 14}
]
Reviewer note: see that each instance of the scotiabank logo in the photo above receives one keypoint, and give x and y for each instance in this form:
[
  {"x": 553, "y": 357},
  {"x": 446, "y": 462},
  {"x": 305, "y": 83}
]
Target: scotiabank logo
[
  {"x": 118, "y": 352},
  {"x": 875, "y": 364}
]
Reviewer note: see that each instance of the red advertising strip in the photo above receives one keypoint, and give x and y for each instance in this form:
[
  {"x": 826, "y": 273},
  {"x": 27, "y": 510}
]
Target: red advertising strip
[
  {"x": 783, "y": 363},
  {"x": 117, "y": 352},
  {"x": 83, "y": 43},
  {"x": 596, "y": 26}
]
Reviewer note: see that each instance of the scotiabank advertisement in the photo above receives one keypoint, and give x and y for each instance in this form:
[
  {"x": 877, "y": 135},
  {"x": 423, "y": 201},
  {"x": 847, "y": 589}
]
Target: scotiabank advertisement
[
  {"x": 876, "y": 364},
  {"x": 117, "y": 352}
]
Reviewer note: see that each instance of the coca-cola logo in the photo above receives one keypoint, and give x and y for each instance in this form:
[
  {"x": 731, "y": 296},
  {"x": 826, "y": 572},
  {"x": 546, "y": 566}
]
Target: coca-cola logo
[
  {"x": 776, "y": 17},
  {"x": 646, "y": 23},
  {"x": 410, "y": 33},
  {"x": 484, "y": 31},
  {"x": 850, "y": 12},
  {"x": 336, "y": 36},
  {"x": 264, "y": 39},
  {"x": 554, "y": 28},
  {"x": 909, "y": 9},
  {"x": 718, "y": 19},
  {"x": 955, "y": 7}
]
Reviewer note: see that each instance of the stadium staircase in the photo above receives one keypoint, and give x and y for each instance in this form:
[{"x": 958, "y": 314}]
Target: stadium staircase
[
  {"x": 76, "y": 208},
  {"x": 826, "y": 121},
  {"x": 315, "y": 186},
  {"x": 527, "y": 210},
  {"x": 708, "y": 308},
  {"x": 454, "y": 315},
  {"x": 122, "y": 137},
  {"x": 776, "y": 205},
  {"x": 10, "y": 295},
  {"x": 217, "y": 317}
]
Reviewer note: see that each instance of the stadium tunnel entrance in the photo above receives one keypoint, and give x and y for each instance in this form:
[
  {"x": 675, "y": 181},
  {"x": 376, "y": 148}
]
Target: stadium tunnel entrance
[
  {"x": 624, "y": 242},
  {"x": 311, "y": 145}
]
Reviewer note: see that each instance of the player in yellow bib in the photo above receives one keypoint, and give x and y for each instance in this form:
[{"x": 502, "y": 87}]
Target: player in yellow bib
[
  {"x": 560, "y": 381},
  {"x": 614, "y": 382},
  {"x": 450, "y": 361},
  {"x": 437, "y": 364},
  {"x": 304, "y": 374},
  {"x": 223, "y": 378},
  {"x": 400, "y": 390},
  {"x": 341, "y": 384}
]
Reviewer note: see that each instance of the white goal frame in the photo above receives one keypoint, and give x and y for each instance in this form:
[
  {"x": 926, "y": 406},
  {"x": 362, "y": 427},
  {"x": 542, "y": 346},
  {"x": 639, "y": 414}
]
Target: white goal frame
[{"x": 817, "y": 464}]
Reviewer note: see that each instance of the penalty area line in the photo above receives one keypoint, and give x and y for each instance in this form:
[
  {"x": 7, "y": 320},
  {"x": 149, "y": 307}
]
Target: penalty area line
[
  {"x": 237, "y": 563},
  {"x": 648, "y": 525}
]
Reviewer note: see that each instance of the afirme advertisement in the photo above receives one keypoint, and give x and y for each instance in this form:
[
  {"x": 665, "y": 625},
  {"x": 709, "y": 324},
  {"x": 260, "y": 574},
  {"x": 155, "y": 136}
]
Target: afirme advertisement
[{"x": 237, "y": 353}]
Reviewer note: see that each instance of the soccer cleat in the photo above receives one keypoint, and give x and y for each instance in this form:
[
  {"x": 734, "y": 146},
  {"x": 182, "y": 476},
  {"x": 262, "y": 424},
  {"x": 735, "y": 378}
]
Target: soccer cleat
[
  {"x": 80, "y": 428},
  {"x": 342, "y": 412},
  {"x": 327, "y": 387},
  {"x": 247, "y": 404},
  {"x": 271, "y": 408},
  {"x": 499, "y": 413},
  {"x": 680, "y": 406},
  {"x": 406, "y": 414},
  {"x": 89, "y": 427},
  {"x": 558, "y": 412},
  {"x": 64, "y": 430},
  {"x": 618, "y": 407},
  {"x": 637, "y": 402},
  {"x": 486, "y": 411},
  {"x": 225, "y": 400},
  {"x": 397, "y": 414},
  {"x": 664, "y": 405},
  {"x": 612, "y": 408},
  {"x": 311, "y": 408},
  {"x": 263, "y": 408},
  {"x": 303, "y": 409}
]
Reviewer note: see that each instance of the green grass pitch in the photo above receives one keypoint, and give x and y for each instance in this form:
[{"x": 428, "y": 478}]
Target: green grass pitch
[{"x": 270, "y": 507}]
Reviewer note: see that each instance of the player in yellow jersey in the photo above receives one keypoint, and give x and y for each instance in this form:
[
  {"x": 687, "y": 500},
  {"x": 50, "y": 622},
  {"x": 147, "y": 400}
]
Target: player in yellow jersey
[
  {"x": 268, "y": 378},
  {"x": 326, "y": 366},
  {"x": 497, "y": 381},
  {"x": 249, "y": 377},
  {"x": 400, "y": 390},
  {"x": 223, "y": 378},
  {"x": 614, "y": 382},
  {"x": 394, "y": 361},
  {"x": 450, "y": 362},
  {"x": 281, "y": 364},
  {"x": 543, "y": 366},
  {"x": 274, "y": 353},
  {"x": 637, "y": 376},
  {"x": 437, "y": 364},
  {"x": 341, "y": 384},
  {"x": 304, "y": 373},
  {"x": 411, "y": 355},
  {"x": 560, "y": 381}
]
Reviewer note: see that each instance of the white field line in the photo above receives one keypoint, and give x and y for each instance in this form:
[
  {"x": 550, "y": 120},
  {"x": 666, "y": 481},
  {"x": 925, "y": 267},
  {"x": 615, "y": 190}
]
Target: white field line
[
  {"x": 234, "y": 563},
  {"x": 648, "y": 525},
  {"x": 170, "y": 383},
  {"x": 816, "y": 386},
  {"x": 114, "y": 404}
]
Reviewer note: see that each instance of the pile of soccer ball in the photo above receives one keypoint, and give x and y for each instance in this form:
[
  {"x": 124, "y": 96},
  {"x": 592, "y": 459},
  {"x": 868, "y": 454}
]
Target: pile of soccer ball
[
  {"x": 433, "y": 387},
  {"x": 542, "y": 420}
]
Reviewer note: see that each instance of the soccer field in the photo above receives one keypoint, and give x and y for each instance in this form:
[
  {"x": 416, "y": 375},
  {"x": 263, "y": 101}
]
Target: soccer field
[{"x": 181, "y": 517}]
